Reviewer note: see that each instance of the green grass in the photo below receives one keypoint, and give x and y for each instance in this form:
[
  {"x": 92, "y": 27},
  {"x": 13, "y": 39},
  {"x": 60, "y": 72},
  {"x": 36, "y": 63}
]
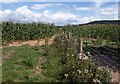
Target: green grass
[
  {"x": 18, "y": 63},
  {"x": 0, "y": 65},
  {"x": 0, "y": 74},
  {"x": 53, "y": 66}
]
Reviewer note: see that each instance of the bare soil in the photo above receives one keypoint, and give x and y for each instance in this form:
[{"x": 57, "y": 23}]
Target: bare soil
[{"x": 30, "y": 42}]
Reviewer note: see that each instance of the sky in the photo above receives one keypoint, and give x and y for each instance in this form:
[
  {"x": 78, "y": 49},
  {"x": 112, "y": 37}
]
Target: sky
[
  {"x": 59, "y": 12},
  {"x": 119, "y": 11}
]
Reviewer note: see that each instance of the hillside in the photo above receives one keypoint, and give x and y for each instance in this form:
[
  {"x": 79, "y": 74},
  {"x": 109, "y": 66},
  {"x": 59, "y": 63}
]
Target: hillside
[
  {"x": 105, "y": 22},
  {"x": 97, "y": 22}
]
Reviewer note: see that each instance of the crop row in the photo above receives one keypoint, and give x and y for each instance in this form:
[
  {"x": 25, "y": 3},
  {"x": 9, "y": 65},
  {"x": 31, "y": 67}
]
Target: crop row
[{"x": 25, "y": 31}]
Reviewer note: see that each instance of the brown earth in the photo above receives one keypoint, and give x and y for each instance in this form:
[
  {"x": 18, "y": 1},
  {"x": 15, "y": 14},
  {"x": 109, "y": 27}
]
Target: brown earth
[{"x": 30, "y": 42}]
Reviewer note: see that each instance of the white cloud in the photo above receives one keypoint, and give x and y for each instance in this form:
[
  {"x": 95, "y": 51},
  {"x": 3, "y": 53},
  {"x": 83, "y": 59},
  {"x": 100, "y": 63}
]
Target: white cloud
[
  {"x": 42, "y": 6},
  {"x": 4, "y": 14},
  {"x": 24, "y": 11},
  {"x": 64, "y": 17},
  {"x": 83, "y": 8},
  {"x": 108, "y": 11},
  {"x": 100, "y": 11},
  {"x": 23, "y": 14},
  {"x": 89, "y": 19},
  {"x": 59, "y": 17},
  {"x": 98, "y": 3},
  {"x": 0, "y": 15}
]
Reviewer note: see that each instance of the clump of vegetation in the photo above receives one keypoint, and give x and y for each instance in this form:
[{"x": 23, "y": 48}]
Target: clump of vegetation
[
  {"x": 64, "y": 66},
  {"x": 100, "y": 32},
  {"x": 25, "y": 31}
]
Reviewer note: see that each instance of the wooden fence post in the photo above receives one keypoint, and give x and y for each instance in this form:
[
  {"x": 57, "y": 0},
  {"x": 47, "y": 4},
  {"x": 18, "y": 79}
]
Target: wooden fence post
[{"x": 81, "y": 46}]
